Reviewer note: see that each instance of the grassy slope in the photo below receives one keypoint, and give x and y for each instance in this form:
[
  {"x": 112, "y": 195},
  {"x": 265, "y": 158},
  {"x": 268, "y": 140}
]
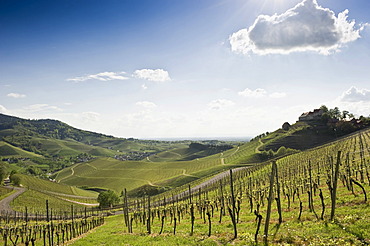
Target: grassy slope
[
  {"x": 182, "y": 154},
  {"x": 45, "y": 185},
  {"x": 38, "y": 191},
  {"x": 117, "y": 175},
  {"x": 69, "y": 148},
  {"x": 8, "y": 150},
  {"x": 350, "y": 227},
  {"x": 300, "y": 136}
]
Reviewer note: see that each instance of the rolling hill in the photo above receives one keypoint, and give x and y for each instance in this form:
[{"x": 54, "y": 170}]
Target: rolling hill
[
  {"x": 304, "y": 154},
  {"x": 157, "y": 166}
]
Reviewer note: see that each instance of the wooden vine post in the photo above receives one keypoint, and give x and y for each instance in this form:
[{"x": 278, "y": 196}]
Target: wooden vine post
[
  {"x": 192, "y": 217},
  {"x": 125, "y": 213},
  {"x": 335, "y": 183},
  {"x": 149, "y": 217},
  {"x": 270, "y": 199},
  {"x": 278, "y": 202},
  {"x": 232, "y": 211}
]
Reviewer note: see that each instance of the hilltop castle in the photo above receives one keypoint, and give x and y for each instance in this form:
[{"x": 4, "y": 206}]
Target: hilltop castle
[{"x": 311, "y": 116}]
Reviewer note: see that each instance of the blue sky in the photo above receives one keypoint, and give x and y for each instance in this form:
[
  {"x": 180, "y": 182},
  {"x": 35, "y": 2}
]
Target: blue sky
[{"x": 171, "y": 68}]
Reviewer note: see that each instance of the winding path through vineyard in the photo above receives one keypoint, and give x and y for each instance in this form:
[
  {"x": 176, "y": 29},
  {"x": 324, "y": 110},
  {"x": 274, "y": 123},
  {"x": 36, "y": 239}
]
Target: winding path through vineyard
[
  {"x": 5, "y": 203},
  {"x": 257, "y": 150}
]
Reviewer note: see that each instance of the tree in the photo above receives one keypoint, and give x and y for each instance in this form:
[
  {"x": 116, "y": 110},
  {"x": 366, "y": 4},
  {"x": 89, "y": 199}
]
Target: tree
[
  {"x": 107, "y": 198},
  {"x": 324, "y": 108},
  {"x": 281, "y": 151},
  {"x": 335, "y": 113},
  {"x": 3, "y": 174},
  {"x": 15, "y": 179},
  {"x": 345, "y": 113}
]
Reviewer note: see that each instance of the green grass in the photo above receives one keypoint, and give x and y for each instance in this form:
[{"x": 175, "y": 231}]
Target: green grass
[
  {"x": 111, "y": 233},
  {"x": 108, "y": 173},
  {"x": 4, "y": 192},
  {"x": 349, "y": 228},
  {"x": 38, "y": 191},
  {"x": 68, "y": 148},
  {"x": 36, "y": 202},
  {"x": 45, "y": 185},
  {"x": 112, "y": 174},
  {"x": 7, "y": 151}
]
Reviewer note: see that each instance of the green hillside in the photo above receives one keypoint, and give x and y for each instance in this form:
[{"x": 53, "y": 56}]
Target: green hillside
[
  {"x": 166, "y": 170},
  {"x": 315, "y": 197},
  {"x": 40, "y": 190},
  {"x": 95, "y": 161},
  {"x": 191, "y": 152},
  {"x": 303, "y": 171},
  {"x": 52, "y": 138},
  {"x": 113, "y": 174},
  {"x": 8, "y": 150}
]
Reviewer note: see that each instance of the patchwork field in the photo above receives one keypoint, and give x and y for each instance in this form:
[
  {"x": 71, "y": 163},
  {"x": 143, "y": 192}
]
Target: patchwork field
[{"x": 116, "y": 175}]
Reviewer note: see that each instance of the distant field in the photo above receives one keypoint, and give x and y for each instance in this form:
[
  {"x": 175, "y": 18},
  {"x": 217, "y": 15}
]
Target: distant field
[{"x": 116, "y": 175}]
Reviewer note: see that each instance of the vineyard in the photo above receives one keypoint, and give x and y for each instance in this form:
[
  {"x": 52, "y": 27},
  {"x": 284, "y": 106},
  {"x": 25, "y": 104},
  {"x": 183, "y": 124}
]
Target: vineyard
[
  {"x": 51, "y": 227},
  {"x": 315, "y": 197}
]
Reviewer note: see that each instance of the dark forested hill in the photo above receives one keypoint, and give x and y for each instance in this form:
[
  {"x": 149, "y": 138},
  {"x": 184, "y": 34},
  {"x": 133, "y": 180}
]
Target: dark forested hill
[
  {"x": 50, "y": 128},
  {"x": 53, "y": 138}
]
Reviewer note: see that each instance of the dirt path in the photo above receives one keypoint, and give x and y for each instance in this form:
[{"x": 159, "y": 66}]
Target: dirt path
[
  {"x": 67, "y": 195},
  {"x": 185, "y": 174},
  {"x": 73, "y": 172},
  {"x": 257, "y": 150},
  {"x": 223, "y": 159},
  {"x": 81, "y": 203},
  {"x": 5, "y": 203},
  {"x": 88, "y": 164}
]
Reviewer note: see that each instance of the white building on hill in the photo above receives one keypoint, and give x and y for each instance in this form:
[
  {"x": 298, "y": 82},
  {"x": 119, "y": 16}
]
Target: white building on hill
[{"x": 312, "y": 116}]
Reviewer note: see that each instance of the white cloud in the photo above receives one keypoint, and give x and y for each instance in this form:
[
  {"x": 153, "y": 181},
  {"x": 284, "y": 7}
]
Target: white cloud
[
  {"x": 256, "y": 93},
  {"x": 220, "y": 103},
  {"x": 146, "y": 104},
  {"x": 355, "y": 100},
  {"x": 144, "y": 87},
  {"x": 41, "y": 107},
  {"x": 277, "y": 95},
  {"x": 3, "y": 109},
  {"x": 355, "y": 95},
  {"x": 104, "y": 76},
  {"x": 306, "y": 27},
  {"x": 157, "y": 75},
  {"x": 90, "y": 116},
  {"x": 260, "y": 93},
  {"x": 16, "y": 95}
]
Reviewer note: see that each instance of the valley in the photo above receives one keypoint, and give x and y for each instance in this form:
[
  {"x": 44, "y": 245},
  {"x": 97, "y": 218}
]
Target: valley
[{"x": 217, "y": 189}]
